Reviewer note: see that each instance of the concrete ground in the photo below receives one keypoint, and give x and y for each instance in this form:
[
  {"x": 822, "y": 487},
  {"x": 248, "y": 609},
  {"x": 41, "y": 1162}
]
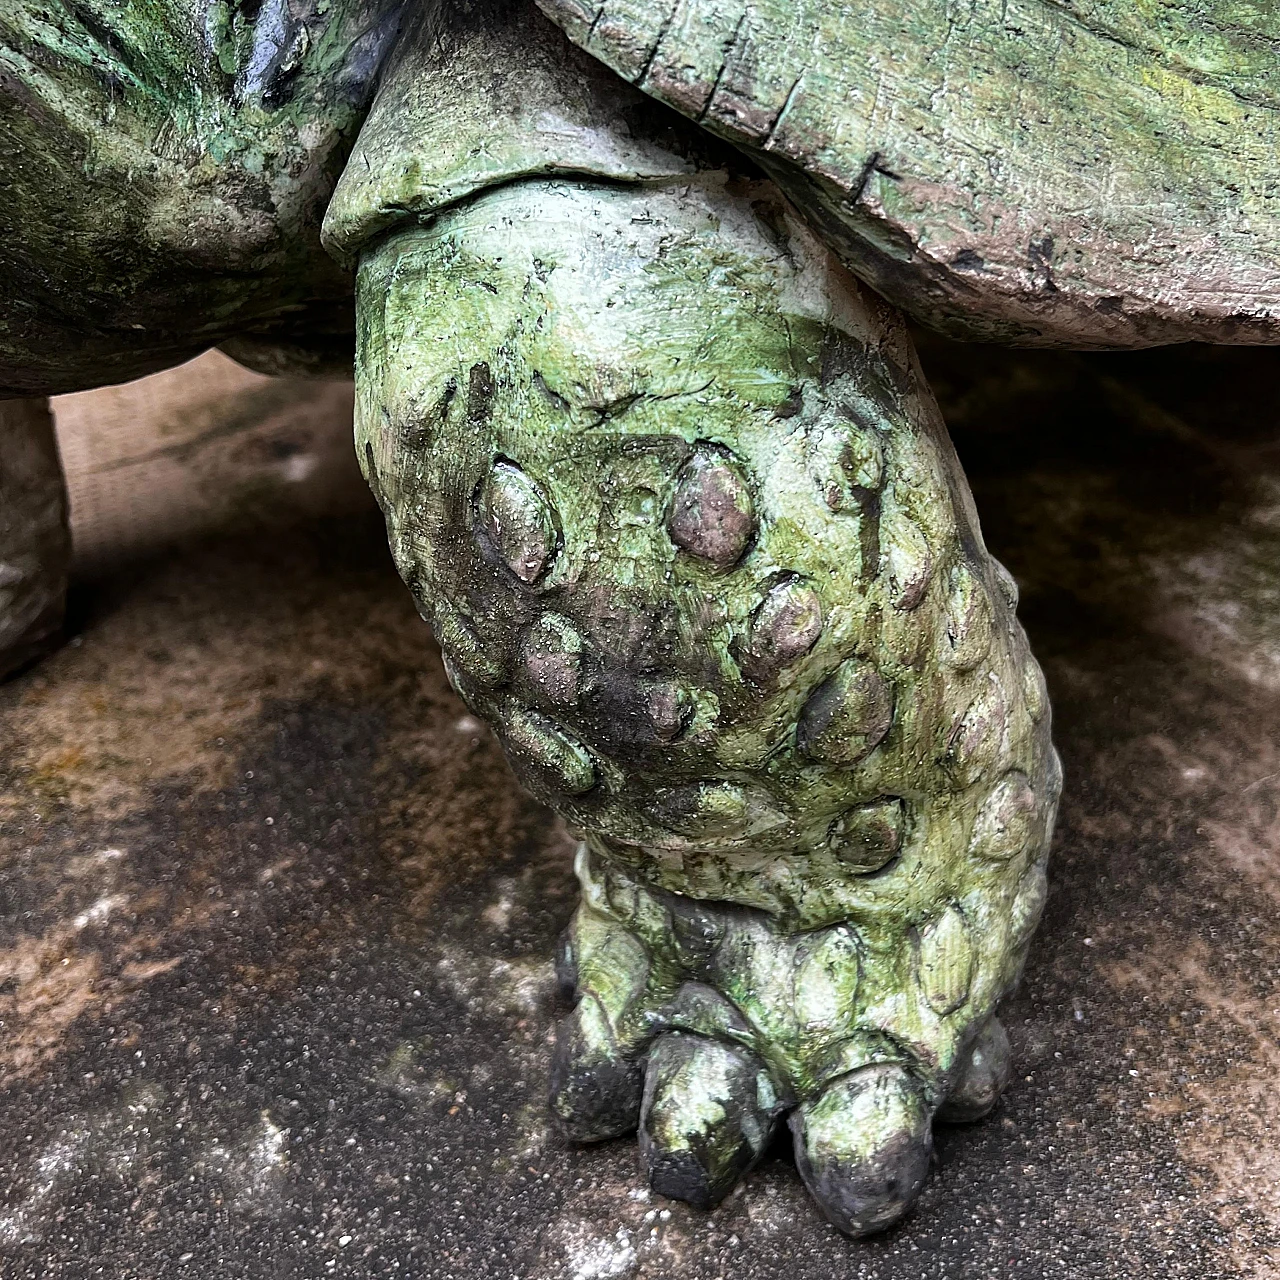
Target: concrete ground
[{"x": 276, "y": 923}]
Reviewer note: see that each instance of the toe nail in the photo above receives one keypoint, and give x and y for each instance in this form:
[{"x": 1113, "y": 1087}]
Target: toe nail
[
  {"x": 981, "y": 1079},
  {"x": 863, "y": 1148},
  {"x": 702, "y": 1125},
  {"x": 595, "y": 1089}
]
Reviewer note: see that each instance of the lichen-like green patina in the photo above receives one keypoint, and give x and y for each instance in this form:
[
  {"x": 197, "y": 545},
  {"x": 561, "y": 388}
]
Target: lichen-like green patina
[
  {"x": 663, "y": 476},
  {"x": 683, "y": 516}
]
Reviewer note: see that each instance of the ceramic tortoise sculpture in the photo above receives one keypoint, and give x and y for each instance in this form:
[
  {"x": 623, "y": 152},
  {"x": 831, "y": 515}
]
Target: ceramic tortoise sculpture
[{"x": 656, "y": 456}]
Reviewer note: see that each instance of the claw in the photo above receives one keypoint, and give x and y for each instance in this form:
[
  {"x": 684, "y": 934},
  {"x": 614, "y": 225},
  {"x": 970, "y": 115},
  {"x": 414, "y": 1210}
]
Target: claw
[
  {"x": 986, "y": 1072},
  {"x": 708, "y": 1114},
  {"x": 595, "y": 1090},
  {"x": 863, "y": 1148},
  {"x": 596, "y": 1081}
]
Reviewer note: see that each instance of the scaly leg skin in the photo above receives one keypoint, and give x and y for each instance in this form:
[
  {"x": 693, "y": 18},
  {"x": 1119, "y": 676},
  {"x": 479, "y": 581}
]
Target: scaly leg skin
[
  {"x": 35, "y": 544},
  {"x": 682, "y": 513}
]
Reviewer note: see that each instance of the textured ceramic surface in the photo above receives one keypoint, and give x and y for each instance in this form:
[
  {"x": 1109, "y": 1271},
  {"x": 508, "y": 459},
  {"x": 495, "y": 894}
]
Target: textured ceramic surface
[
  {"x": 684, "y": 518},
  {"x": 665, "y": 479},
  {"x": 1087, "y": 173}
]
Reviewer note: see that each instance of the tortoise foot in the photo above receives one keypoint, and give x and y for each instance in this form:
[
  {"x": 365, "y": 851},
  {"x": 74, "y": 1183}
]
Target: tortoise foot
[{"x": 705, "y": 1026}]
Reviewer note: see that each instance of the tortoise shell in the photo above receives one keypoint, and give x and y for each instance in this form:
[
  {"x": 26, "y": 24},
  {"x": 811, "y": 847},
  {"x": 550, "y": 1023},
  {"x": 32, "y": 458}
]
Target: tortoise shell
[{"x": 1086, "y": 173}]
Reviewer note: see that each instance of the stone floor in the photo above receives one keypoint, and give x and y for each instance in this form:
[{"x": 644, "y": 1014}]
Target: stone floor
[{"x": 275, "y": 922}]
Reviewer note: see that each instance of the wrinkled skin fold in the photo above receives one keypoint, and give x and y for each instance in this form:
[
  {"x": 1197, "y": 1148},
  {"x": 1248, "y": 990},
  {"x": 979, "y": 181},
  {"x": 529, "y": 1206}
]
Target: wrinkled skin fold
[{"x": 682, "y": 513}]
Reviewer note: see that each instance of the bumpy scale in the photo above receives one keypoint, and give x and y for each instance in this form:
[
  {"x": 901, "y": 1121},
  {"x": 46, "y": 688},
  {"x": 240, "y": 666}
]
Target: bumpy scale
[{"x": 685, "y": 520}]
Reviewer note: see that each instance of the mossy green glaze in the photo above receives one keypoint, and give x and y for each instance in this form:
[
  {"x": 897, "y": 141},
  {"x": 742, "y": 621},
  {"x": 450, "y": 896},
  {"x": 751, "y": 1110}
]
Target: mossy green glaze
[{"x": 681, "y": 510}]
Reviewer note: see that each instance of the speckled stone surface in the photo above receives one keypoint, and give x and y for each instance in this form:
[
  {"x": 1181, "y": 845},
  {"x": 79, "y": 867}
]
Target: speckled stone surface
[{"x": 276, "y": 924}]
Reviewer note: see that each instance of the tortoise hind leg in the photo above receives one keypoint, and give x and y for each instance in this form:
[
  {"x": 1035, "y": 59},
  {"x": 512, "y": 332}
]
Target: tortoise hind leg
[
  {"x": 35, "y": 543},
  {"x": 685, "y": 520}
]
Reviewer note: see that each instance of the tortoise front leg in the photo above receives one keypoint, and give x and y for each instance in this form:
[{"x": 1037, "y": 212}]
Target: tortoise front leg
[
  {"x": 684, "y": 518},
  {"x": 35, "y": 544}
]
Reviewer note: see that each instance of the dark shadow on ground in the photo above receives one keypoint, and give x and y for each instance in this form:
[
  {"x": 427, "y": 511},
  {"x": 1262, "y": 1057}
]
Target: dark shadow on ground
[{"x": 275, "y": 922}]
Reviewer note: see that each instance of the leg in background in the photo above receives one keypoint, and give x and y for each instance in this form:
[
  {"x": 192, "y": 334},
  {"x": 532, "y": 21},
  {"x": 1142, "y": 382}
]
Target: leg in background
[{"x": 35, "y": 542}]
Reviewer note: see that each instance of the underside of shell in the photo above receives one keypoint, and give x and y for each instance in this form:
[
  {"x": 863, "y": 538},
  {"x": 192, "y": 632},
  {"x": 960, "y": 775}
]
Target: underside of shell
[{"x": 1084, "y": 174}]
